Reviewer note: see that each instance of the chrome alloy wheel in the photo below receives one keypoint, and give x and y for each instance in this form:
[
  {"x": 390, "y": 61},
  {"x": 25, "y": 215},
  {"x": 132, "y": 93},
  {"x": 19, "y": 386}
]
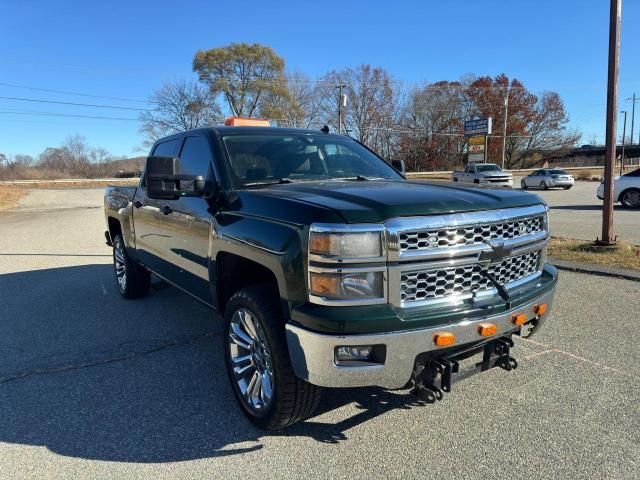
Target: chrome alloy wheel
[
  {"x": 119, "y": 264},
  {"x": 251, "y": 360}
]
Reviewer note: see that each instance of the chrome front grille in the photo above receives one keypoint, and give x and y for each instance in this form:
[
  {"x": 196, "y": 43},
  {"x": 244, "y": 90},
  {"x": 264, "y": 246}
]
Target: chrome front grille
[
  {"x": 424, "y": 285},
  {"x": 427, "y": 239}
]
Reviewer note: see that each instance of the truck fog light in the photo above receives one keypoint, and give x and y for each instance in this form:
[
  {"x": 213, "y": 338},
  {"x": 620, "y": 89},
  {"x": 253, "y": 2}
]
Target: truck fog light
[{"x": 347, "y": 353}]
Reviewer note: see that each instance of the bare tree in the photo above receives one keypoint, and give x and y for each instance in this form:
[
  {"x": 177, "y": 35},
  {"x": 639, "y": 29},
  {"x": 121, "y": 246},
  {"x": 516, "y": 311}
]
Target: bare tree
[
  {"x": 178, "y": 106},
  {"x": 299, "y": 105}
]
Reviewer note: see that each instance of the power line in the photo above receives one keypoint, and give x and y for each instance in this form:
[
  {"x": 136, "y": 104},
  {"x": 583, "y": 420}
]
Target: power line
[
  {"x": 13, "y": 85},
  {"x": 39, "y": 100},
  {"x": 53, "y": 114}
]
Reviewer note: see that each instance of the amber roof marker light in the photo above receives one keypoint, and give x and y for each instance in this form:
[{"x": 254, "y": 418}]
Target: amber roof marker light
[{"x": 246, "y": 122}]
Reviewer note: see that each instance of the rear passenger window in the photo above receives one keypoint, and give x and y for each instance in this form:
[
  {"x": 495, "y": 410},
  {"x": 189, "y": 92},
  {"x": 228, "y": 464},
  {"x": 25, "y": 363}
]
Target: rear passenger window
[{"x": 195, "y": 157}]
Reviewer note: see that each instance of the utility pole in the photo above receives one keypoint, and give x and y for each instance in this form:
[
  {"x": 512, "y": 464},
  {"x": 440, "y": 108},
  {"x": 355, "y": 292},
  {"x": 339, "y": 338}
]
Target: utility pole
[
  {"x": 624, "y": 135},
  {"x": 504, "y": 128},
  {"x": 340, "y": 87},
  {"x": 615, "y": 15},
  {"x": 633, "y": 115}
]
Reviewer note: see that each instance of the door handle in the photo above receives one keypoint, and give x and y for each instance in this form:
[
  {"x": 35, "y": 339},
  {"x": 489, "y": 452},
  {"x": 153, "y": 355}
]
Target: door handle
[
  {"x": 167, "y": 210},
  {"x": 137, "y": 204}
]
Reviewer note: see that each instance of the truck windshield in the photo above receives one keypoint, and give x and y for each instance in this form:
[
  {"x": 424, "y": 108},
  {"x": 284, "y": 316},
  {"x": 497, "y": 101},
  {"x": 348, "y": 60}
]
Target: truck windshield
[
  {"x": 488, "y": 168},
  {"x": 283, "y": 158}
]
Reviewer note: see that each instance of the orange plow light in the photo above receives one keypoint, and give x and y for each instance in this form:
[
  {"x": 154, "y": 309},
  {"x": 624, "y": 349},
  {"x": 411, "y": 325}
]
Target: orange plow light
[
  {"x": 519, "y": 319},
  {"x": 540, "y": 309},
  {"x": 487, "y": 329},
  {"x": 246, "y": 122},
  {"x": 444, "y": 339}
]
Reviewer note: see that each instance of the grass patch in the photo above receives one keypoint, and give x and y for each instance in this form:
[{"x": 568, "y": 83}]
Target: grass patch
[
  {"x": 622, "y": 255},
  {"x": 9, "y": 196}
]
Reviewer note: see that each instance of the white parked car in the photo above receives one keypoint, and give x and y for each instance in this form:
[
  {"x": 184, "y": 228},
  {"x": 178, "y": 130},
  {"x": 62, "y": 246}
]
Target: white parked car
[
  {"x": 486, "y": 174},
  {"x": 547, "y": 178},
  {"x": 626, "y": 189}
]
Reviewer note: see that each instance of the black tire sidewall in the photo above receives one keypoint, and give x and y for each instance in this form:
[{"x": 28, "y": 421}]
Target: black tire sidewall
[{"x": 623, "y": 197}]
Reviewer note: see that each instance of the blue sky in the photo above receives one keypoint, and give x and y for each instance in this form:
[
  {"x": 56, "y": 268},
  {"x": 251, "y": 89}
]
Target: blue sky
[{"x": 127, "y": 49}]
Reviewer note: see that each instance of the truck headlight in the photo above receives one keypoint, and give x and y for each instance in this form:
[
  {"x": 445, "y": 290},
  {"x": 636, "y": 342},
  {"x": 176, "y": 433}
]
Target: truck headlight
[
  {"x": 346, "y": 245},
  {"x": 347, "y": 285}
]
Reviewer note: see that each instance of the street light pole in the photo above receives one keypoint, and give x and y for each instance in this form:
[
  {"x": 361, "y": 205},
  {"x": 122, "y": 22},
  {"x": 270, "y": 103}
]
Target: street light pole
[
  {"x": 340, "y": 87},
  {"x": 633, "y": 115},
  {"x": 615, "y": 15},
  {"x": 624, "y": 135},
  {"x": 504, "y": 128}
]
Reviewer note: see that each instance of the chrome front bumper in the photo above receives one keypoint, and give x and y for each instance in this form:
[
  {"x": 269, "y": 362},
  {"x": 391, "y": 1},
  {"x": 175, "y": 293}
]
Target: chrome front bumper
[{"x": 312, "y": 354}]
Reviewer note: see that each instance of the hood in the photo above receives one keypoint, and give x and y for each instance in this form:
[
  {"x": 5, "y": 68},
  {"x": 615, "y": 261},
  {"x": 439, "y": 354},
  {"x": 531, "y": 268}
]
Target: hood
[{"x": 377, "y": 201}]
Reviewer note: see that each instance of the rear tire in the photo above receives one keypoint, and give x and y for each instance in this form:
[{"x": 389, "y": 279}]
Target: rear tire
[
  {"x": 523, "y": 185},
  {"x": 132, "y": 280},
  {"x": 630, "y": 198},
  {"x": 567, "y": 188},
  {"x": 258, "y": 363}
]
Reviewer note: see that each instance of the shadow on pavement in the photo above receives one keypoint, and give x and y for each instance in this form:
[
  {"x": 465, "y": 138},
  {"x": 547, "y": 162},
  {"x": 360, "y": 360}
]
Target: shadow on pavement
[{"x": 87, "y": 374}]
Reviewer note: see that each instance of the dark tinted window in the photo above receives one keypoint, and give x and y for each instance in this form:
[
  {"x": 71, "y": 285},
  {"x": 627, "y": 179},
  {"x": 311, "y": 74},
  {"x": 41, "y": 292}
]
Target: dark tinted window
[
  {"x": 165, "y": 149},
  {"x": 195, "y": 157},
  {"x": 635, "y": 173},
  {"x": 266, "y": 158},
  {"x": 558, "y": 172}
]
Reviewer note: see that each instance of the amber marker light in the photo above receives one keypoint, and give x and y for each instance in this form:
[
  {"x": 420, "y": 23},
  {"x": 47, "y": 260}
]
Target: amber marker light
[
  {"x": 540, "y": 309},
  {"x": 519, "y": 319},
  {"x": 487, "y": 329},
  {"x": 444, "y": 339}
]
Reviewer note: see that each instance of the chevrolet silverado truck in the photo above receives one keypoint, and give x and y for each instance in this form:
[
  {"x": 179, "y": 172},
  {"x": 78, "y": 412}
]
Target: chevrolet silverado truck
[
  {"x": 485, "y": 174},
  {"x": 328, "y": 267}
]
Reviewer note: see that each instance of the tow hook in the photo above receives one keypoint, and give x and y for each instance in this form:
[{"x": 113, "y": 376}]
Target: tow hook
[{"x": 434, "y": 377}]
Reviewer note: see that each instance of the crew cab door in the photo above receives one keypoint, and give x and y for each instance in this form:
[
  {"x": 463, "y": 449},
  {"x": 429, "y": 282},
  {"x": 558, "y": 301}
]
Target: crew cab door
[
  {"x": 148, "y": 218},
  {"x": 187, "y": 228}
]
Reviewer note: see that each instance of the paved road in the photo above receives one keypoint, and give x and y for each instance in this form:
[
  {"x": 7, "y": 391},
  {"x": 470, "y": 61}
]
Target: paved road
[
  {"x": 93, "y": 386},
  {"x": 577, "y": 213}
]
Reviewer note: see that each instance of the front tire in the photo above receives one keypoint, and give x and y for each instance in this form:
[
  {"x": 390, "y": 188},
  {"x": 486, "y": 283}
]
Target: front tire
[
  {"x": 630, "y": 198},
  {"x": 544, "y": 186},
  {"x": 258, "y": 362},
  {"x": 132, "y": 280},
  {"x": 567, "y": 188}
]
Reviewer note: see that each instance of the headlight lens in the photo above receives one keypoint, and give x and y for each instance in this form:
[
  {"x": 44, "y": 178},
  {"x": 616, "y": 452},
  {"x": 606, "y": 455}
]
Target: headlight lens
[
  {"x": 347, "y": 286},
  {"x": 346, "y": 245}
]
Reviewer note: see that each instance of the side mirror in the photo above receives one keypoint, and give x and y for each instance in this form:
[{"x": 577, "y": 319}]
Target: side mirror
[
  {"x": 399, "y": 166},
  {"x": 165, "y": 183}
]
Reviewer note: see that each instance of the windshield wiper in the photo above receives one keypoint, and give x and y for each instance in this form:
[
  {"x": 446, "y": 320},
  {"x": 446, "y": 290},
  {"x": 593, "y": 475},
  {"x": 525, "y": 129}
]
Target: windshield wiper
[
  {"x": 270, "y": 182},
  {"x": 360, "y": 178}
]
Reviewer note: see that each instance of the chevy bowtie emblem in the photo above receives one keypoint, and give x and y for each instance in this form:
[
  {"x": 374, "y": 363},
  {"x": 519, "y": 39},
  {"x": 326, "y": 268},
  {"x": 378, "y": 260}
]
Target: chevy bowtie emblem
[{"x": 497, "y": 253}]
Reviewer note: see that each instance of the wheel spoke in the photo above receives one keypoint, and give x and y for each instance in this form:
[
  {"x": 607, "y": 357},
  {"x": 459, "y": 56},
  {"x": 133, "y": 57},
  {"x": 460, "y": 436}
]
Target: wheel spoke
[
  {"x": 266, "y": 391},
  {"x": 242, "y": 364},
  {"x": 239, "y": 337},
  {"x": 252, "y": 393},
  {"x": 247, "y": 322}
]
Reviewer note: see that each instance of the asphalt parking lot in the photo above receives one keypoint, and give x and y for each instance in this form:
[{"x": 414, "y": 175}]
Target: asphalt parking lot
[
  {"x": 93, "y": 386},
  {"x": 577, "y": 213}
]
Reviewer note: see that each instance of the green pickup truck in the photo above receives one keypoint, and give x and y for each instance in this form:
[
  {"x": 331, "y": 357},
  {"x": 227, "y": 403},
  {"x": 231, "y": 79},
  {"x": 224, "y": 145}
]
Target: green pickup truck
[{"x": 330, "y": 268}]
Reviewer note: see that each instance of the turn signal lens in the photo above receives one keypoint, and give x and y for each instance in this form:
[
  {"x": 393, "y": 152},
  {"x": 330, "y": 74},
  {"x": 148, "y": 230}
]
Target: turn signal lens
[
  {"x": 540, "y": 309},
  {"x": 444, "y": 339},
  {"x": 519, "y": 319},
  {"x": 487, "y": 329}
]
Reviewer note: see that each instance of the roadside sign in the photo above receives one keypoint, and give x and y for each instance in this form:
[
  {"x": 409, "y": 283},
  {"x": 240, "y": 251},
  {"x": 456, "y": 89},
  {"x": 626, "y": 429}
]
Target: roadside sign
[
  {"x": 475, "y": 157},
  {"x": 479, "y": 140},
  {"x": 480, "y": 126},
  {"x": 476, "y": 148}
]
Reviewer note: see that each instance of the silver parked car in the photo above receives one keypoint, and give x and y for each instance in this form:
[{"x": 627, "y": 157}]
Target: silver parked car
[{"x": 546, "y": 178}]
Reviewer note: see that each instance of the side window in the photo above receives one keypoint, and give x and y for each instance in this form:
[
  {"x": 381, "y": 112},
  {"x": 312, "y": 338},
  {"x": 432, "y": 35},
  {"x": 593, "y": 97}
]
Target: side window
[
  {"x": 165, "y": 149},
  {"x": 195, "y": 156}
]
